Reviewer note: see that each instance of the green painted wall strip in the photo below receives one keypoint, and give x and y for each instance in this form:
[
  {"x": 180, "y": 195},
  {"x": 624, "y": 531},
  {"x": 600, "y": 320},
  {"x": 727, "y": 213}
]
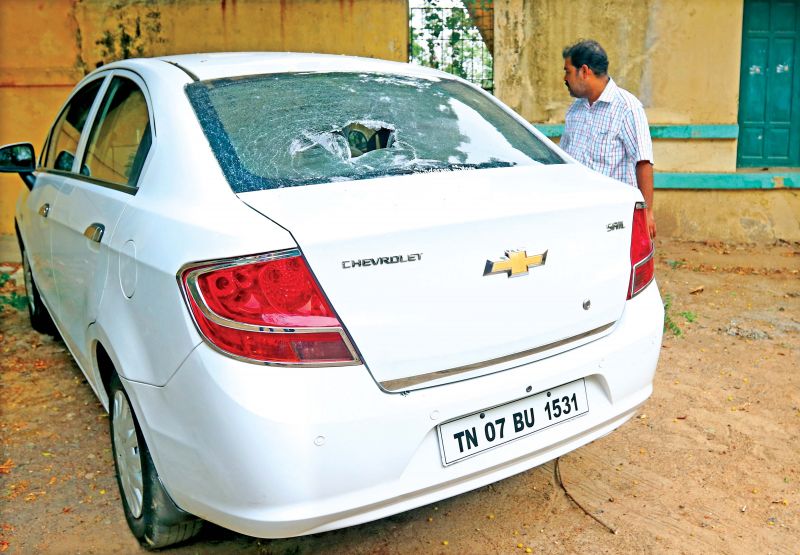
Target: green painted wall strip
[
  {"x": 705, "y": 131},
  {"x": 694, "y": 131},
  {"x": 550, "y": 130},
  {"x": 729, "y": 181}
]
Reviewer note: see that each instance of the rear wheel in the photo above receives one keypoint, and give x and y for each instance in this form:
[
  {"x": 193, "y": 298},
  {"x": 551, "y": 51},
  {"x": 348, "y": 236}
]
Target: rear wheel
[
  {"x": 152, "y": 516},
  {"x": 40, "y": 318}
]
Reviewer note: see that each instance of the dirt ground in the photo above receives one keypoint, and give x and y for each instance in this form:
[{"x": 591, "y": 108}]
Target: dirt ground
[{"x": 710, "y": 465}]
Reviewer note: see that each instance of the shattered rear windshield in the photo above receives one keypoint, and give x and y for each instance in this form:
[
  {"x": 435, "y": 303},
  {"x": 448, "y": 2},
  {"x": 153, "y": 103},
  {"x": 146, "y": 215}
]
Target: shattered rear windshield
[{"x": 290, "y": 129}]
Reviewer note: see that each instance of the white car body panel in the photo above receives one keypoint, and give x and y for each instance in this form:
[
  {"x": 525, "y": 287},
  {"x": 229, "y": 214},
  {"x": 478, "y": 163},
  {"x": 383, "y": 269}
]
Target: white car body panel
[
  {"x": 239, "y": 443},
  {"x": 38, "y": 230},
  {"x": 81, "y": 266},
  {"x": 457, "y": 221},
  {"x": 217, "y": 65}
]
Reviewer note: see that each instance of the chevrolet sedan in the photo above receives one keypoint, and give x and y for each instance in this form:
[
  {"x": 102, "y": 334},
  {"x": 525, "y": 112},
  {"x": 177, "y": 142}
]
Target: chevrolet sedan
[{"x": 314, "y": 291}]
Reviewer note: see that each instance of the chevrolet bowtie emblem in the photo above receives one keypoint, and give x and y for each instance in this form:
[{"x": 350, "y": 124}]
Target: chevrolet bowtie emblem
[{"x": 515, "y": 263}]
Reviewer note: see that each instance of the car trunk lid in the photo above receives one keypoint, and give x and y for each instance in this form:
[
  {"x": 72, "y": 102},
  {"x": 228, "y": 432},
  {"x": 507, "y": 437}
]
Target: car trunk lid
[{"x": 419, "y": 268}]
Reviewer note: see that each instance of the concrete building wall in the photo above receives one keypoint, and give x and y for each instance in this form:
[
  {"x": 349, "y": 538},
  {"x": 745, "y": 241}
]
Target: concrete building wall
[
  {"x": 49, "y": 45},
  {"x": 746, "y": 216}
]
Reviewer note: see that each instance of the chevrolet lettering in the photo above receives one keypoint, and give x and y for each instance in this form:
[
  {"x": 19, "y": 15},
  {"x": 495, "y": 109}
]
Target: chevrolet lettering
[{"x": 364, "y": 262}]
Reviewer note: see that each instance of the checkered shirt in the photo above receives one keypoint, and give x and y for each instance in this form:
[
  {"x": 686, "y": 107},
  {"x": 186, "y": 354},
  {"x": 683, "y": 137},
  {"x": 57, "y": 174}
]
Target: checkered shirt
[{"x": 611, "y": 135}]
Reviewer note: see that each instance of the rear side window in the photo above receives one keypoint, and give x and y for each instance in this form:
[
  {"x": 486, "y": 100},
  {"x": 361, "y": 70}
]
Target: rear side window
[
  {"x": 120, "y": 138},
  {"x": 69, "y": 126},
  {"x": 285, "y": 130}
]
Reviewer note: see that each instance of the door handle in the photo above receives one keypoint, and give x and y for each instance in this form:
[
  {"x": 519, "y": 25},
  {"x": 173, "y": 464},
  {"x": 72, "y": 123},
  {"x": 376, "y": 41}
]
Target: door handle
[
  {"x": 95, "y": 232},
  {"x": 44, "y": 210}
]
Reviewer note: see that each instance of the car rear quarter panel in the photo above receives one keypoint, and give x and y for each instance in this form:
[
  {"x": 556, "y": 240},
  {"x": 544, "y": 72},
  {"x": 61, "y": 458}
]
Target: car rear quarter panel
[{"x": 184, "y": 212}]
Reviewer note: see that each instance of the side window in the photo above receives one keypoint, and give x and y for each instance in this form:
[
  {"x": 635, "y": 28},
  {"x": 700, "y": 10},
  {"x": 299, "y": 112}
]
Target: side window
[
  {"x": 67, "y": 130},
  {"x": 120, "y": 138}
]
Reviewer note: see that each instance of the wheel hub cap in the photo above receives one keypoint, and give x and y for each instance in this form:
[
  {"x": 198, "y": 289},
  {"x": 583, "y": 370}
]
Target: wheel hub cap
[{"x": 126, "y": 446}]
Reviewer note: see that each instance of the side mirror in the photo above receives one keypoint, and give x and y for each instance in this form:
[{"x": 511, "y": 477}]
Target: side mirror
[{"x": 17, "y": 158}]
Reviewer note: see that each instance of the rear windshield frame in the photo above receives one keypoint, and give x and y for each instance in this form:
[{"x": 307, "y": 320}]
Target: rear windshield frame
[{"x": 242, "y": 180}]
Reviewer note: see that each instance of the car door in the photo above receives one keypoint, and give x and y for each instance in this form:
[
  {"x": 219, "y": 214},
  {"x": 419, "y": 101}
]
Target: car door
[
  {"x": 92, "y": 198},
  {"x": 41, "y": 203}
]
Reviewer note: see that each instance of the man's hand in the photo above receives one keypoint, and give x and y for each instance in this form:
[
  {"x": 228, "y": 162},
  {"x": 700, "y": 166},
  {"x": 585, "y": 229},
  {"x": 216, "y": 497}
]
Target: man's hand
[{"x": 651, "y": 222}]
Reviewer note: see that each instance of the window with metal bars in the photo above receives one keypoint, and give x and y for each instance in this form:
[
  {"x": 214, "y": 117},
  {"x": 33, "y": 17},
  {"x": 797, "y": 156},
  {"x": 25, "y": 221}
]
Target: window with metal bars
[{"x": 454, "y": 36}]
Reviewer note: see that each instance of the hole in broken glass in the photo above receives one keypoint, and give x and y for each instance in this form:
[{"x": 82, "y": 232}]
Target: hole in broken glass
[
  {"x": 363, "y": 138},
  {"x": 352, "y": 140}
]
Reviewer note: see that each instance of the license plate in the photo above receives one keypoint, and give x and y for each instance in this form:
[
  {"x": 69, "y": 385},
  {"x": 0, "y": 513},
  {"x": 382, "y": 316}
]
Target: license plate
[{"x": 469, "y": 435}]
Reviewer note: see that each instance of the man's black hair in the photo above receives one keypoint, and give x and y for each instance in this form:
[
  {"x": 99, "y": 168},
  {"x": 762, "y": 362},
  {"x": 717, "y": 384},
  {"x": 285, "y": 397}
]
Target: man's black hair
[{"x": 590, "y": 53}]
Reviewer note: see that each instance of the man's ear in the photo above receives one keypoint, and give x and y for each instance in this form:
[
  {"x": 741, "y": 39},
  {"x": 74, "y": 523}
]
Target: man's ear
[{"x": 585, "y": 71}]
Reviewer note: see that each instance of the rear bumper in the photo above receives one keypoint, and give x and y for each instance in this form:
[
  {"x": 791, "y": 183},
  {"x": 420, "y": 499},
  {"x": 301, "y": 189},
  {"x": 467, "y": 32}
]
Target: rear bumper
[{"x": 274, "y": 452}]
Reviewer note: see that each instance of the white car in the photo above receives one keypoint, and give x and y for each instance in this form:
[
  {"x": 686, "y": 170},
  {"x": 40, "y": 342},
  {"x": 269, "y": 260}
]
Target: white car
[{"x": 314, "y": 291}]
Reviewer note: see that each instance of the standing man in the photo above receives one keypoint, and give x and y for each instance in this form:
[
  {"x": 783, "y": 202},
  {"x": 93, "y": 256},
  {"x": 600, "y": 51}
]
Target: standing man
[{"x": 606, "y": 127}]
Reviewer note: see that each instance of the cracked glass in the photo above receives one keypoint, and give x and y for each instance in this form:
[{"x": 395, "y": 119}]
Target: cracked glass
[{"x": 291, "y": 129}]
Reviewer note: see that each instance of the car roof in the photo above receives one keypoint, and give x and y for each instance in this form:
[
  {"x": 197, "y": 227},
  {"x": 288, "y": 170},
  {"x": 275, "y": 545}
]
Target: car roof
[{"x": 237, "y": 64}]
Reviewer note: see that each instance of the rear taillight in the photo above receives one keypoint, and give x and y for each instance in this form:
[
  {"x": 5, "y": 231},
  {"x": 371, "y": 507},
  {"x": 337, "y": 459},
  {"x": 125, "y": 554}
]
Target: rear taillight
[
  {"x": 642, "y": 250},
  {"x": 266, "y": 308}
]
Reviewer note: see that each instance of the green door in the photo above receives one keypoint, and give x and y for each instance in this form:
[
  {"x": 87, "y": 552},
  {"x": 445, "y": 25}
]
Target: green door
[{"x": 769, "y": 99}]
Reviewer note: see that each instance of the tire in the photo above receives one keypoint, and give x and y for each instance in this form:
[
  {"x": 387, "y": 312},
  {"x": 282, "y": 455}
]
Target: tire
[
  {"x": 39, "y": 316},
  {"x": 152, "y": 516}
]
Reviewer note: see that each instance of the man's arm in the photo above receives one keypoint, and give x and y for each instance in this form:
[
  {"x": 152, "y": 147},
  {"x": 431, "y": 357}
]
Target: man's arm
[
  {"x": 636, "y": 133},
  {"x": 644, "y": 178}
]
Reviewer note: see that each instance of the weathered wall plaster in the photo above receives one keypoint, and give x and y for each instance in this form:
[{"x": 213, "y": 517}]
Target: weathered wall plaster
[
  {"x": 666, "y": 52},
  {"x": 729, "y": 216},
  {"x": 696, "y": 155}
]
